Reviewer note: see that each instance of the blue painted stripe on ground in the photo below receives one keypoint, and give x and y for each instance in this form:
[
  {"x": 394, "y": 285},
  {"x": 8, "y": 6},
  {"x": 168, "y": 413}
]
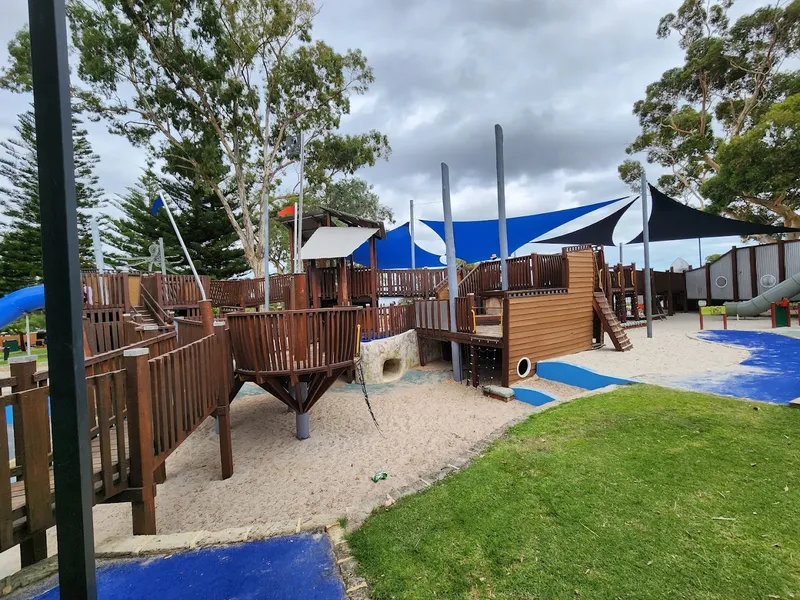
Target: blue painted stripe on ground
[
  {"x": 299, "y": 567},
  {"x": 576, "y": 376},
  {"x": 534, "y": 397},
  {"x": 770, "y": 374}
]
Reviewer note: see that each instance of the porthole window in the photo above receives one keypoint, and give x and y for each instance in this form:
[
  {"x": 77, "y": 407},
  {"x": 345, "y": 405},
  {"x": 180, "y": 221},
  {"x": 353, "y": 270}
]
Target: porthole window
[
  {"x": 721, "y": 281},
  {"x": 768, "y": 280},
  {"x": 524, "y": 367}
]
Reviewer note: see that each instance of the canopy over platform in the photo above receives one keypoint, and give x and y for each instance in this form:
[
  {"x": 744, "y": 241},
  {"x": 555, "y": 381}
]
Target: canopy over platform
[
  {"x": 336, "y": 242},
  {"x": 599, "y": 233},
  {"x": 394, "y": 252},
  {"x": 479, "y": 240},
  {"x": 673, "y": 220},
  {"x": 315, "y": 218}
]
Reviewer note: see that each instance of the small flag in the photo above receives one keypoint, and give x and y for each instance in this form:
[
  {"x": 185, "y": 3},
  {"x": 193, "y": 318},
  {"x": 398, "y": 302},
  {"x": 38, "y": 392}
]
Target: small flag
[
  {"x": 157, "y": 204},
  {"x": 287, "y": 212}
]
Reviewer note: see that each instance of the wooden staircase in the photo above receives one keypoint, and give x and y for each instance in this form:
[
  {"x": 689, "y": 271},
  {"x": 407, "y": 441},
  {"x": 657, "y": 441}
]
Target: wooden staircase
[{"x": 610, "y": 323}]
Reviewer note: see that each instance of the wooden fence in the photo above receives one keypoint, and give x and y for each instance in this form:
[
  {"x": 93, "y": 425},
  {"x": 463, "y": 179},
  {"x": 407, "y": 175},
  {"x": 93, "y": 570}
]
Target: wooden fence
[
  {"x": 385, "y": 321},
  {"x": 105, "y": 329},
  {"x": 175, "y": 291},
  {"x": 432, "y": 315},
  {"x": 108, "y": 289},
  {"x": 189, "y": 331}
]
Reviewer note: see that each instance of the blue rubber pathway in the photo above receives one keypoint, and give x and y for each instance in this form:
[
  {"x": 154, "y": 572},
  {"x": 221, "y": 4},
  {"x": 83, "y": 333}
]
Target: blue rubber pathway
[
  {"x": 287, "y": 568},
  {"x": 770, "y": 374}
]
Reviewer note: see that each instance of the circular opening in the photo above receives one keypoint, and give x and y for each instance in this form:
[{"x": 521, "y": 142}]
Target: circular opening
[
  {"x": 392, "y": 370},
  {"x": 721, "y": 281},
  {"x": 524, "y": 367},
  {"x": 768, "y": 281}
]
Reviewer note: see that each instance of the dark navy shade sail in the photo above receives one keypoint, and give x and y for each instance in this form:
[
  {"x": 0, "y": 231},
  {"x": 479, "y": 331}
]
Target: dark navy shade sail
[
  {"x": 394, "y": 252},
  {"x": 599, "y": 233},
  {"x": 673, "y": 220},
  {"x": 479, "y": 240}
]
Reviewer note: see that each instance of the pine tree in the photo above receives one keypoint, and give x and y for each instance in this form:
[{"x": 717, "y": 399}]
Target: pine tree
[
  {"x": 198, "y": 213},
  {"x": 21, "y": 243}
]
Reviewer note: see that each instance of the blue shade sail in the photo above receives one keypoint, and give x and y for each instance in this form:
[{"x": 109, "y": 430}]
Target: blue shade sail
[
  {"x": 394, "y": 252},
  {"x": 479, "y": 240}
]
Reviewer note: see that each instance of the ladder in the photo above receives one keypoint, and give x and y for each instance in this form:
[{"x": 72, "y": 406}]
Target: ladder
[{"x": 610, "y": 323}]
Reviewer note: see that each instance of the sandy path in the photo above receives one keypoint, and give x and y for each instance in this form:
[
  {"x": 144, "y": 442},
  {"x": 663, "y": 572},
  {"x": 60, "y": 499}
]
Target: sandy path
[{"x": 672, "y": 350}]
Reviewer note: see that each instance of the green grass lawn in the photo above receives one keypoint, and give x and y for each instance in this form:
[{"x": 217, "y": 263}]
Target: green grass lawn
[
  {"x": 641, "y": 493},
  {"x": 40, "y": 353}
]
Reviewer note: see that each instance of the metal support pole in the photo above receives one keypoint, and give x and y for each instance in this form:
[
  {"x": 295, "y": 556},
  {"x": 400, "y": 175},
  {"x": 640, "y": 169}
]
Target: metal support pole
[
  {"x": 413, "y": 241},
  {"x": 266, "y": 257},
  {"x": 620, "y": 253},
  {"x": 99, "y": 260},
  {"x": 296, "y": 257},
  {"x": 648, "y": 293},
  {"x": 72, "y": 465},
  {"x": 501, "y": 206},
  {"x": 164, "y": 197},
  {"x": 700, "y": 250},
  {"x": 452, "y": 273},
  {"x": 300, "y": 204},
  {"x": 163, "y": 258},
  {"x": 27, "y": 334}
]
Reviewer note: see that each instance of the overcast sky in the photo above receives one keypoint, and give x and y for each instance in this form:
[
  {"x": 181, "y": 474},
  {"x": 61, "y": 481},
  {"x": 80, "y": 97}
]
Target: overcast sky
[{"x": 560, "y": 76}]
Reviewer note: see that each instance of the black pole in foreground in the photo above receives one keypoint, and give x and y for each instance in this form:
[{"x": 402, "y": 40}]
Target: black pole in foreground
[{"x": 63, "y": 299}]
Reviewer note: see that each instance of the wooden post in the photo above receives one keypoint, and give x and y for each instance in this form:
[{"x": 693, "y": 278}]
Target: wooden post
[
  {"x": 222, "y": 413},
  {"x": 753, "y": 272},
  {"x": 23, "y": 369},
  {"x": 635, "y": 298},
  {"x": 735, "y": 274},
  {"x": 373, "y": 271},
  {"x": 781, "y": 261},
  {"x": 207, "y": 317},
  {"x": 708, "y": 283},
  {"x": 343, "y": 296},
  {"x": 670, "y": 303},
  {"x": 474, "y": 368},
  {"x": 140, "y": 435}
]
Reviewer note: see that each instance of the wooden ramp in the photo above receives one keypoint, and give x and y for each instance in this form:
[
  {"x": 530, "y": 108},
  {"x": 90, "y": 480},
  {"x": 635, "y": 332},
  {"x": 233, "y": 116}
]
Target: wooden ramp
[{"x": 610, "y": 323}]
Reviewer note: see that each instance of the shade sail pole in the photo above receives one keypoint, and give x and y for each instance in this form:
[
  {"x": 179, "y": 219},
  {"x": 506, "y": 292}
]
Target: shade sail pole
[
  {"x": 452, "y": 273},
  {"x": 72, "y": 459},
  {"x": 411, "y": 231},
  {"x": 620, "y": 252},
  {"x": 700, "y": 250},
  {"x": 501, "y": 206},
  {"x": 648, "y": 293},
  {"x": 164, "y": 197}
]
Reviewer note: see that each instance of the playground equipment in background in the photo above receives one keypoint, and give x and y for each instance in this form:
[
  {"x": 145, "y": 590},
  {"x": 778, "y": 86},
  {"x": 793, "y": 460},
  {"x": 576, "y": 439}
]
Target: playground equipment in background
[
  {"x": 711, "y": 311},
  {"x": 761, "y": 304},
  {"x": 14, "y": 305},
  {"x": 780, "y": 312}
]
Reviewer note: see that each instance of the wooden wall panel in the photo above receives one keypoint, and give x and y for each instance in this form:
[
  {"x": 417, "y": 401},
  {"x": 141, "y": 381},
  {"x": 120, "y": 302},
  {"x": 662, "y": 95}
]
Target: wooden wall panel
[{"x": 542, "y": 327}]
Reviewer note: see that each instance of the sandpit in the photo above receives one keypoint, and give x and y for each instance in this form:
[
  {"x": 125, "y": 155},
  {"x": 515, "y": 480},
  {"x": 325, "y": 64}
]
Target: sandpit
[
  {"x": 425, "y": 423},
  {"x": 673, "y": 350}
]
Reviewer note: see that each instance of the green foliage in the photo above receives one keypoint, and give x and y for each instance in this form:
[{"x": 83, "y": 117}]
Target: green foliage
[
  {"x": 216, "y": 88},
  {"x": 205, "y": 228},
  {"x": 37, "y": 321},
  {"x": 732, "y": 79},
  {"x": 712, "y": 257},
  {"x": 643, "y": 493},
  {"x": 21, "y": 243},
  {"x": 356, "y": 197}
]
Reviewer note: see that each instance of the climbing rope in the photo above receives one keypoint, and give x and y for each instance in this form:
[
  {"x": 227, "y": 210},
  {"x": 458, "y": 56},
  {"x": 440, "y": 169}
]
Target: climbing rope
[{"x": 366, "y": 395}]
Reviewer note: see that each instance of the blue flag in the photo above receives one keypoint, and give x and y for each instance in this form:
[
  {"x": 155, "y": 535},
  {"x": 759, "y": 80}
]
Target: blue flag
[{"x": 157, "y": 204}]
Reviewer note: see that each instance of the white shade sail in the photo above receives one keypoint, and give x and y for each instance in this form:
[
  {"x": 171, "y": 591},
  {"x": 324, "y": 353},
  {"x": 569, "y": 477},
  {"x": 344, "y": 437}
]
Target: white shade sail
[{"x": 335, "y": 242}]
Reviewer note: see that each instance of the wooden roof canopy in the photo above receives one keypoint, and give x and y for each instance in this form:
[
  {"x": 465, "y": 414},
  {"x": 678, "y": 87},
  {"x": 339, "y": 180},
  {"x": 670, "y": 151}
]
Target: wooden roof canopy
[{"x": 324, "y": 217}]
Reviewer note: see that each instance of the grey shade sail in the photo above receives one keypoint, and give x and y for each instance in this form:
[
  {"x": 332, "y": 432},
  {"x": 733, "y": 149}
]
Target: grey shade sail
[
  {"x": 335, "y": 242},
  {"x": 673, "y": 220}
]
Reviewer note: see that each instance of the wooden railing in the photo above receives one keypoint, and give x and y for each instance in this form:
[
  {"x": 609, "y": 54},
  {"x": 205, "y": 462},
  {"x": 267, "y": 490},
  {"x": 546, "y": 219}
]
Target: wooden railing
[
  {"x": 189, "y": 331},
  {"x": 293, "y": 342},
  {"x": 175, "y": 291},
  {"x": 385, "y": 321},
  {"x": 465, "y": 314},
  {"x": 105, "y": 329},
  {"x": 360, "y": 283},
  {"x": 140, "y": 409},
  {"x": 471, "y": 283},
  {"x": 432, "y": 315},
  {"x": 405, "y": 283},
  {"x": 108, "y": 289}
]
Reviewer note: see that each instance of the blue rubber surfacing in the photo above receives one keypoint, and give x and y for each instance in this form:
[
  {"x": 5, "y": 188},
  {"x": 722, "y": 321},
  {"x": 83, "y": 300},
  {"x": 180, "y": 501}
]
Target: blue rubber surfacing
[
  {"x": 770, "y": 374},
  {"x": 286, "y": 568}
]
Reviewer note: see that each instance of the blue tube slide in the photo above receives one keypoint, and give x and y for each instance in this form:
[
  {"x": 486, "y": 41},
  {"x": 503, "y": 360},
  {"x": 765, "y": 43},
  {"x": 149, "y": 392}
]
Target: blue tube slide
[{"x": 16, "y": 304}]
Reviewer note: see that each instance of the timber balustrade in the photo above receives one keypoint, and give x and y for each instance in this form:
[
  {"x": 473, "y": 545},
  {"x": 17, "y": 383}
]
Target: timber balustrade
[
  {"x": 385, "y": 321},
  {"x": 108, "y": 289},
  {"x": 293, "y": 342},
  {"x": 143, "y": 401}
]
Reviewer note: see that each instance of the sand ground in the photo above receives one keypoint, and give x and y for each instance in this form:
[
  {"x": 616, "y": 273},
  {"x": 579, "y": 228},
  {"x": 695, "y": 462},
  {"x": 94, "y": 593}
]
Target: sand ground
[{"x": 673, "y": 349}]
